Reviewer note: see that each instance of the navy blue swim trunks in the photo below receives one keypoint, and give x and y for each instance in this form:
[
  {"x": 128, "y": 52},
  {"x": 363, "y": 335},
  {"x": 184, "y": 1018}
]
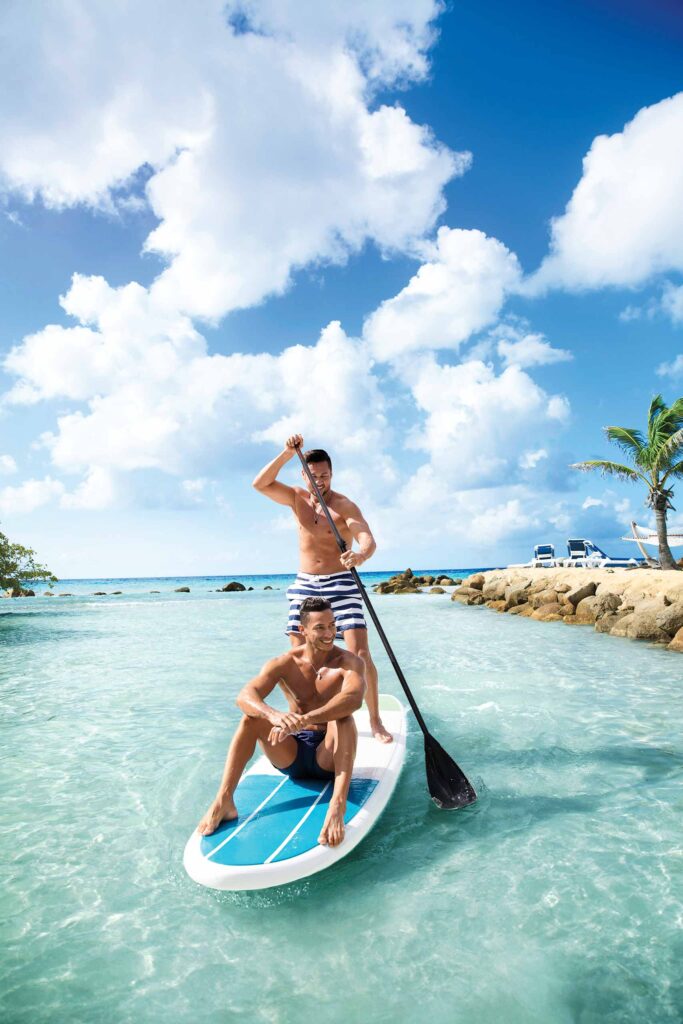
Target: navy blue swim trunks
[{"x": 305, "y": 765}]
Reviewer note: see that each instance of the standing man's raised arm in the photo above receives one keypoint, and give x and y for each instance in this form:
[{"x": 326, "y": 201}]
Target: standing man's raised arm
[{"x": 267, "y": 482}]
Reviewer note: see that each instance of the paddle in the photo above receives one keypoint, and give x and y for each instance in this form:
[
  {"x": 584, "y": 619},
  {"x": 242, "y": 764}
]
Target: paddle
[{"x": 448, "y": 786}]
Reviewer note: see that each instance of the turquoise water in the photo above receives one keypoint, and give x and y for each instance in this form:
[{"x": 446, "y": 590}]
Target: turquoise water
[{"x": 557, "y": 898}]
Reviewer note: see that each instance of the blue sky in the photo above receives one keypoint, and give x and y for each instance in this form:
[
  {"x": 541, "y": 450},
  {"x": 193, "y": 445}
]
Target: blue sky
[{"x": 443, "y": 241}]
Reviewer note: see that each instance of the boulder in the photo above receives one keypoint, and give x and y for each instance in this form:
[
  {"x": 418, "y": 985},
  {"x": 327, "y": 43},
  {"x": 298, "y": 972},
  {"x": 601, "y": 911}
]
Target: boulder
[
  {"x": 28, "y": 593},
  {"x": 64, "y": 595},
  {"x": 606, "y": 622},
  {"x": 494, "y": 590},
  {"x": 543, "y": 597},
  {"x": 621, "y": 625},
  {"x": 670, "y": 619},
  {"x": 13, "y": 592},
  {"x": 428, "y": 581},
  {"x": 547, "y": 613},
  {"x": 515, "y": 595},
  {"x": 643, "y": 626},
  {"x": 250, "y": 588},
  {"x": 99, "y": 593},
  {"x": 677, "y": 642},
  {"x": 586, "y": 611},
  {"x": 155, "y": 591},
  {"x": 48, "y": 593},
  {"x": 476, "y": 582},
  {"x": 578, "y": 594},
  {"x": 232, "y": 587},
  {"x": 606, "y": 604},
  {"x": 467, "y": 595},
  {"x": 496, "y": 606},
  {"x": 117, "y": 593},
  {"x": 448, "y": 581},
  {"x": 518, "y": 609},
  {"x": 181, "y": 590},
  {"x": 270, "y": 588},
  {"x": 562, "y": 588},
  {"x": 437, "y": 590}
]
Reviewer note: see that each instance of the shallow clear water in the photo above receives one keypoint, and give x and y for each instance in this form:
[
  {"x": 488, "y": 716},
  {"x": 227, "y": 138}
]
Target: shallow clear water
[{"x": 557, "y": 898}]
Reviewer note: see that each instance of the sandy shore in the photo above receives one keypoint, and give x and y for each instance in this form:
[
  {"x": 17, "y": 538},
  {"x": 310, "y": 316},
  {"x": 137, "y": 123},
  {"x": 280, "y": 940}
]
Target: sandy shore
[{"x": 642, "y": 604}]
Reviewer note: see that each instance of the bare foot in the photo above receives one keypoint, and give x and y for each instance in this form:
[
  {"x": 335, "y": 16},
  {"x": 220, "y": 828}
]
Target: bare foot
[
  {"x": 220, "y": 810},
  {"x": 333, "y": 827},
  {"x": 380, "y": 733}
]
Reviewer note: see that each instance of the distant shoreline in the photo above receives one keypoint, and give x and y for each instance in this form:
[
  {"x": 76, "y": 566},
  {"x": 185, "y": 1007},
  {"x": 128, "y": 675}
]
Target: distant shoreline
[{"x": 240, "y": 577}]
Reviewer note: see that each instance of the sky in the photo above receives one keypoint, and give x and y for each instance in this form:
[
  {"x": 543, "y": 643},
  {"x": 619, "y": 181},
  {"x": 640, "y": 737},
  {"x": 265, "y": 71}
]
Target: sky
[{"x": 442, "y": 240}]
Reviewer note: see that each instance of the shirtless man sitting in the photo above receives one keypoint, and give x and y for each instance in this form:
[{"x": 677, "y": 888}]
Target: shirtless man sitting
[
  {"x": 324, "y": 571},
  {"x": 316, "y": 738}
]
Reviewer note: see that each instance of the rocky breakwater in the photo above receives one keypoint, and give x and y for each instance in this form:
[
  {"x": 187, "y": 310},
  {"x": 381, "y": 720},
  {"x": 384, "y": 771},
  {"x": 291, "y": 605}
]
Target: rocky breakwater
[
  {"x": 408, "y": 583},
  {"x": 642, "y": 604}
]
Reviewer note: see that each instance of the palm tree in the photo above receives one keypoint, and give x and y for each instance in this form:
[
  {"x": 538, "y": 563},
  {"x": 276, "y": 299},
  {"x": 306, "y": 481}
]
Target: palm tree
[{"x": 657, "y": 460}]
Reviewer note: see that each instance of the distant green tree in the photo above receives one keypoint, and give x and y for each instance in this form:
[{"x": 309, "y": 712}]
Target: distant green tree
[
  {"x": 18, "y": 566},
  {"x": 657, "y": 459}
]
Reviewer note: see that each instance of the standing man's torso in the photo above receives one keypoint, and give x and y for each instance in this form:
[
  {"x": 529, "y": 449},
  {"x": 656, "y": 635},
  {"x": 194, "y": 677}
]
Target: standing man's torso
[{"x": 318, "y": 548}]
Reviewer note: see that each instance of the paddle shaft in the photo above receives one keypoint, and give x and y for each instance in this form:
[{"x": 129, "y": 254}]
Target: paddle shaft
[{"x": 359, "y": 583}]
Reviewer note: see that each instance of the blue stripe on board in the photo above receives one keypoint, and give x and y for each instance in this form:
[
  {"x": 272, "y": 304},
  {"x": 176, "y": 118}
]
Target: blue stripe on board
[
  {"x": 307, "y": 836},
  {"x": 266, "y": 831}
]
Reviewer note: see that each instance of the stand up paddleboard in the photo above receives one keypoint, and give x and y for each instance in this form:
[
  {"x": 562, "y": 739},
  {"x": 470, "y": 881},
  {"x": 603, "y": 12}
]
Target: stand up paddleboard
[{"x": 274, "y": 840}]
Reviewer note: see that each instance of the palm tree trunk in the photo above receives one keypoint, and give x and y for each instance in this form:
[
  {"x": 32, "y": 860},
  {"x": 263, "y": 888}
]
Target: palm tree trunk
[{"x": 666, "y": 559}]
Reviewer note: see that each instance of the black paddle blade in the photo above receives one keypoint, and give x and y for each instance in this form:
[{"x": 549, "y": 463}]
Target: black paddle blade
[{"x": 449, "y": 787}]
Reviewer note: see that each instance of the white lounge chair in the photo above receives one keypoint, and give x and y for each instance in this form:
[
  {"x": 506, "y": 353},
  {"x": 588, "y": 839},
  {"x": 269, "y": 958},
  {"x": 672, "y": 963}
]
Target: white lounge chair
[
  {"x": 587, "y": 555},
  {"x": 544, "y": 557}
]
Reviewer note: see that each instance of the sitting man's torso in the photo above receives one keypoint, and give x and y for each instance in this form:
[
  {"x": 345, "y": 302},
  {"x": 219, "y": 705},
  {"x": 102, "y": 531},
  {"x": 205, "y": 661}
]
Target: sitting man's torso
[{"x": 307, "y": 688}]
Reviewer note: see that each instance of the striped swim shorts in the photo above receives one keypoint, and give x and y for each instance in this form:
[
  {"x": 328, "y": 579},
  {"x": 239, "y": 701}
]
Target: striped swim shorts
[{"x": 339, "y": 588}]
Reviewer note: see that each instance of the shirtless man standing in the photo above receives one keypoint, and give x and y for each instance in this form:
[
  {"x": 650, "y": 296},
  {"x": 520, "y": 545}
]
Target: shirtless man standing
[
  {"x": 323, "y": 570},
  {"x": 316, "y": 738}
]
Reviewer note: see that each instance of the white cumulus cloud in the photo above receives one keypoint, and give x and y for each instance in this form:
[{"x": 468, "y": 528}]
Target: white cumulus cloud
[
  {"x": 517, "y": 348},
  {"x": 30, "y": 495},
  {"x": 459, "y": 290},
  {"x": 476, "y": 425},
  {"x": 252, "y": 125},
  {"x": 624, "y": 221}
]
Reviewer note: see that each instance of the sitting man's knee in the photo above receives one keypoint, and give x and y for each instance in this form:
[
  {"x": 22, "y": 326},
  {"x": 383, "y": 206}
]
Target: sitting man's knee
[{"x": 346, "y": 724}]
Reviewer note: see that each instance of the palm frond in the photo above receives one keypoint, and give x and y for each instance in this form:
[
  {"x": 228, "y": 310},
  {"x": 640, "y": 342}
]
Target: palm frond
[
  {"x": 609, "y": 469},
  {"x": 668, "y": 451},
  {"x": 656, "y": 406},
  {"x": 663, "y": 422},
  {"x": 675, "y": 470},
  {"x": 628, "y": 438},
  {"x": 676, "y": 410}
]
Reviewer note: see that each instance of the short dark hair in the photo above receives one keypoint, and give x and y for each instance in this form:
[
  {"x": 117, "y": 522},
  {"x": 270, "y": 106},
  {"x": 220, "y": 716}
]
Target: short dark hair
[
  {"x": 313, "y": 604},
  {"x": 317, "y": 455}
]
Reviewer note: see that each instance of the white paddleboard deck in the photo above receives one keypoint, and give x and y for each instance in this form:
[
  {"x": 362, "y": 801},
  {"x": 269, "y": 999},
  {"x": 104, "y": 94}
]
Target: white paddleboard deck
[{"x": 274, "y": 840}]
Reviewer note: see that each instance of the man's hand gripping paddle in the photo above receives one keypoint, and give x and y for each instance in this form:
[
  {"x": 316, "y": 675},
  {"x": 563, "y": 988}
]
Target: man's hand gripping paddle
[{"x": 448, "y": 785}]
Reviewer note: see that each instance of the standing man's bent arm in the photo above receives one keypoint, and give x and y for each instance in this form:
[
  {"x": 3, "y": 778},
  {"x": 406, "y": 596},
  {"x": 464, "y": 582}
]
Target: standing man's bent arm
[
  {"x": 362, "y": 534},
  {"x": 266, "y": 481}
]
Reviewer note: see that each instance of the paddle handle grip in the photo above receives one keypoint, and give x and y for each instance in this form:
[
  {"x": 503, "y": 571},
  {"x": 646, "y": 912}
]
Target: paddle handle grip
[{"x": 359, "y": 583}]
